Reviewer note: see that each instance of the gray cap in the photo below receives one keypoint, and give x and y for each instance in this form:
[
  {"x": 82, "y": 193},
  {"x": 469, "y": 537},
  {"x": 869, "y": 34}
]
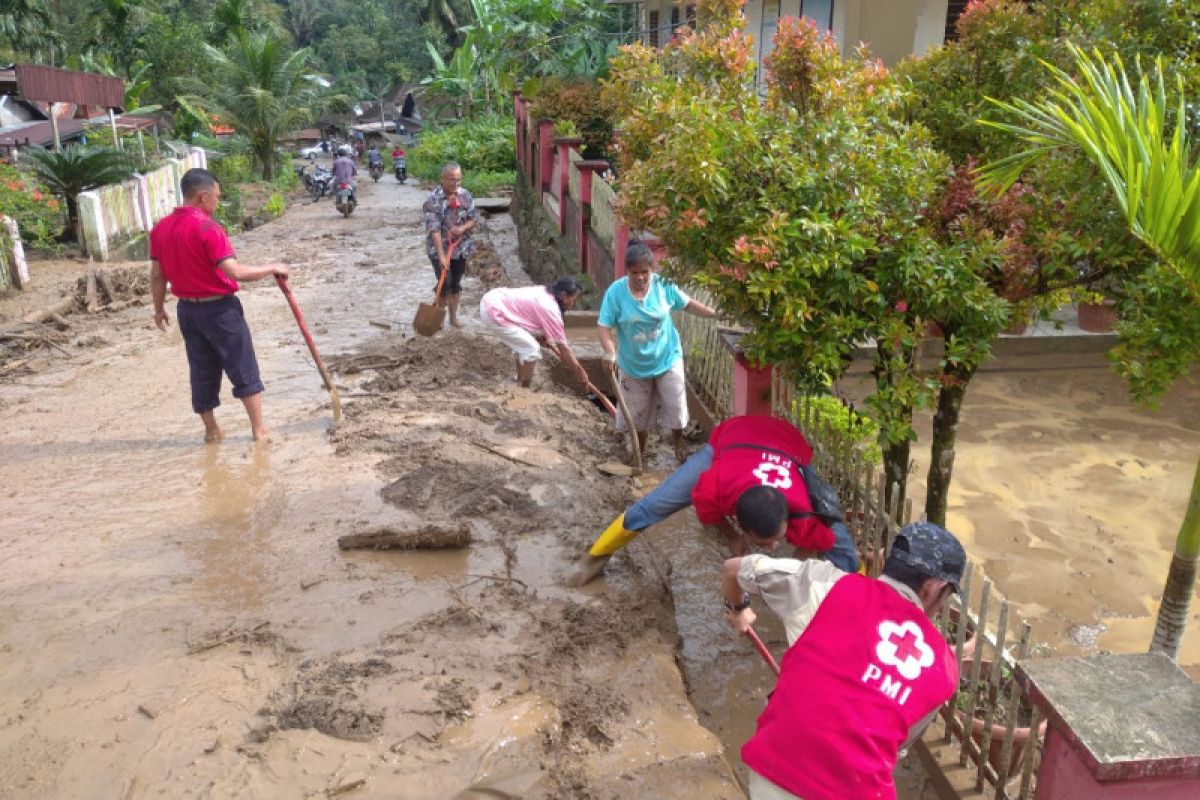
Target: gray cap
[{"x": 931, "y": 550}]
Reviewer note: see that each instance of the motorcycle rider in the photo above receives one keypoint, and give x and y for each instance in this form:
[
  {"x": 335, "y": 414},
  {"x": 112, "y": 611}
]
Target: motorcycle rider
[
  {"x": 375, "y": 162},
  {"x": 397, "y": 152},
  {"x": 344, "y": 169}
]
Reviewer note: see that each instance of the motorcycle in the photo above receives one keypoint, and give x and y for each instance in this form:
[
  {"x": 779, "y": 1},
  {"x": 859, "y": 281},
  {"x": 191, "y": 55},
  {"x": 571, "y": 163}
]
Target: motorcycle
[
  {"x": 400, "y": 168},
  {"x": 344, "y": 198},
  {"x": 377, "y": 171},
  {"x": 319, "y": 183}
]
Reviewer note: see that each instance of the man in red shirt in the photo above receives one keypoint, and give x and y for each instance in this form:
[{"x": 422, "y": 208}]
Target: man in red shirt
[
  {"x": 190, "y": 251},
  {"x": 748, "y": 480},
  {"x": 865, "y": 670}
]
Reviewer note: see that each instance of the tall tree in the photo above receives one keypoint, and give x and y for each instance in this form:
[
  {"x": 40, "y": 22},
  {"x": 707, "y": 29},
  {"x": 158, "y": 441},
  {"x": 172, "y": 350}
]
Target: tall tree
[
  {"x": 25, "y": 27},
  {"x": 1140, "y": 143},
  {"x": 260, "y": 88}
]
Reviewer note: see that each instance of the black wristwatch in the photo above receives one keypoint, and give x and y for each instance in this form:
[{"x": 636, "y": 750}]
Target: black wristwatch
[{"x": 742, "y": 606}]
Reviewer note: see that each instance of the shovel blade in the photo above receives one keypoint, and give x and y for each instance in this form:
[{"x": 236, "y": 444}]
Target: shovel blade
[{"x": 429, "y": 319}]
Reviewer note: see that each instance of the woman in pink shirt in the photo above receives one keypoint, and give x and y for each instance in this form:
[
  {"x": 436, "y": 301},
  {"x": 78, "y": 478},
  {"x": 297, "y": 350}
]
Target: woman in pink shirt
[{"x": 524, "y": 316}]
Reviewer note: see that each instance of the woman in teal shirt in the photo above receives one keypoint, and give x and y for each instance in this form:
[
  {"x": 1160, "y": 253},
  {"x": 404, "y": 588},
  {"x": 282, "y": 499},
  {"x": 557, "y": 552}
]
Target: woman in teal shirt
[{"x": 640, "y": 340}]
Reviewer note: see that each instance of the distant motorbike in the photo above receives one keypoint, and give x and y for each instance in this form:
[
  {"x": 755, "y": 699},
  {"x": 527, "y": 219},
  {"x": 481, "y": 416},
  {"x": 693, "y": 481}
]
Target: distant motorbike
[
  {"x": 377, "y": 171},
  {"x": 400, "y": 168},
  {"x": 319, "y": 183},
  {"x": 344, "y": 198}
]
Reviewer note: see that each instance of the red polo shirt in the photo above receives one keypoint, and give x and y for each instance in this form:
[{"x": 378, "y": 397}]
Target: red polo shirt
[{"x": 188, "y": 245}]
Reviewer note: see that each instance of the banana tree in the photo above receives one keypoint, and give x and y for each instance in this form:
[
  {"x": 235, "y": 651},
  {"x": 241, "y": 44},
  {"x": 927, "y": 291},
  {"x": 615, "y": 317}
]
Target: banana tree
[{"x": 1139, "y": 141}]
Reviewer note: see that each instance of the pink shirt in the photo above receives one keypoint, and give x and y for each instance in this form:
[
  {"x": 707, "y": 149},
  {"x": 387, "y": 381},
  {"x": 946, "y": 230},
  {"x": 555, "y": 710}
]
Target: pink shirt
[
  {"x": 188, "y": 245},
  {"x": 867, "y": 669},
  {"x": 531, "y": 308}
]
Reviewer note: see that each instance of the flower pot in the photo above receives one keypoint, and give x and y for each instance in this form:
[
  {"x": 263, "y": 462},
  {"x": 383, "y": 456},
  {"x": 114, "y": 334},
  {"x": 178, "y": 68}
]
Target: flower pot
[
  {"x": 995, "y": 745},
  {"x": 1097, "y": 317},
  {"x": 1017, "y": 325}
]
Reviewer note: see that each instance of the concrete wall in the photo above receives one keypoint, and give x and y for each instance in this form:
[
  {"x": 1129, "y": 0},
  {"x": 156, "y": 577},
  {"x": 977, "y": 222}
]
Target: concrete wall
[
  {"x": 14, "y": 271},
  {"x": 115, "y": 215},
  {"x": 544, "y": 252}
]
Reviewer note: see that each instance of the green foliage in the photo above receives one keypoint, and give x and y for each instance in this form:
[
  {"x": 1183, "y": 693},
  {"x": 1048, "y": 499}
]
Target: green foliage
[
  {"x": 808, "y": 217},
  {"x": 486, "y": 184},
  {"x": 485, "y": 145},
  {"x": 38, "y": 213},
  {"x": 860, "y": 430},
  {"x": 75, "y": 170},
  {"x": 276, "y": 205},
  {"x": 259, "y": 87},
  {"x": 581, "y": 103},
  {"x": 510, "y": 41}
]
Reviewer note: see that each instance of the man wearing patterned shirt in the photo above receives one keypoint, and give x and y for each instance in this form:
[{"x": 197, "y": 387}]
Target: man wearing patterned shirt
[{"x": 449, "y": 218}]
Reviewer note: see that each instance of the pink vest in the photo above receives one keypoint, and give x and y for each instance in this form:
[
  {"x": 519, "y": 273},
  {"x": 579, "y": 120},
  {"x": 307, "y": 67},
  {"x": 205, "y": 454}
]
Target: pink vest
[{"x": 848, "y": 694}]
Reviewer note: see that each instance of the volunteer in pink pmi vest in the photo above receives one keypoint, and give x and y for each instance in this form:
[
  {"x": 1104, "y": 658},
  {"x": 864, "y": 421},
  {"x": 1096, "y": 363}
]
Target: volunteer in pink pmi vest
[{"x": 865, "y": 671}]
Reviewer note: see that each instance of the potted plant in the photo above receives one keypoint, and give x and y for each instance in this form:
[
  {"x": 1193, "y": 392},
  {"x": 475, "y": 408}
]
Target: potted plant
[
  {"x": 1096, "y": 313},
  {"x": 972, "y": 708}
]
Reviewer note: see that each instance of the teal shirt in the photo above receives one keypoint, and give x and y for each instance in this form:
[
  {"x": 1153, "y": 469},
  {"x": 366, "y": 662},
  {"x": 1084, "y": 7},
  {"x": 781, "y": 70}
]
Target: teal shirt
[{"x": 647, "y": 342}]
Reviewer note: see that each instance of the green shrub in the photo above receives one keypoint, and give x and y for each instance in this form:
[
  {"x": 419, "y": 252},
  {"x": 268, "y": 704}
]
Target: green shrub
[
  {"x": 485, "y": 184},
  {"x": 231, "y": 211},
  {"x": 483, "y": 146},
  {"x": 38, "y": 213},
  {"x": 835, "y": 415},
  {"x": 232, "y": 169},
  {"x": 581, "y": 104},
  {"x": 275, "y": 205}
]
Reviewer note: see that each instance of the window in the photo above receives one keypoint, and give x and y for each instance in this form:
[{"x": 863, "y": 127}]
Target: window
[
  {"x": 652, "y": 23},
  {"x": 820, "y": 12}
]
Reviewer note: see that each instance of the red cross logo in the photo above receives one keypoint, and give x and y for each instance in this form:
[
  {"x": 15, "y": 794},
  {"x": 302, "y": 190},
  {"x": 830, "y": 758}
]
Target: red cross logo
[
  {"x": 902, "y": 645},
  {"x": 906, "y": 645}
]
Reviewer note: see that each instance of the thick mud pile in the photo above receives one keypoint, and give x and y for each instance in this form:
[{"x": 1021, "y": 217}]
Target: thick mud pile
[{"x": 460, "y": 443}]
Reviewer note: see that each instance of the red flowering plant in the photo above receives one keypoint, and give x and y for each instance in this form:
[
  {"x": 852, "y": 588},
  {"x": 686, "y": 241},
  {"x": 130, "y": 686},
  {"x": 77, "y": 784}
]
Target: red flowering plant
[
  {"x": 809, "y": 216},
  {"x": 38, "y": 213}
]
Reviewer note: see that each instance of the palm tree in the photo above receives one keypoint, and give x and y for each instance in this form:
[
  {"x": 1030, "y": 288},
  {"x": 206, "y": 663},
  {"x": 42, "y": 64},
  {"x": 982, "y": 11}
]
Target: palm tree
[
  {"x": 303, "y": 18},
  {"x": 1152, "y": 169},
  {"x": 77, "y": 169},
  {"x": 25, "y": 26},
  {"x": 260, "y": 88}
]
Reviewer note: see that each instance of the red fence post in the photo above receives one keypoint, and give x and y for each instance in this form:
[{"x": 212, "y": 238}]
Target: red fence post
[
  {"x": 545, "y": 153},
  {"x": 751, "y": 387},
  {"x": 519, "y": 126},
  {"x": 564, "y": 145},
  {"x": 587, "y": 169},
  {"x": 1121, "y": 727}
]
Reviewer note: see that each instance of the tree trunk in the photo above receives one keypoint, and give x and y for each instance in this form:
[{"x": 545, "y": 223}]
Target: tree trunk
[
  {"x": 1181, "y": 580},
  {"x": 895, "y": 455},
  {"x": 267, "y": 157},
  {"x": 73, "y": 221},
  {"x": 941, "y": 449}
]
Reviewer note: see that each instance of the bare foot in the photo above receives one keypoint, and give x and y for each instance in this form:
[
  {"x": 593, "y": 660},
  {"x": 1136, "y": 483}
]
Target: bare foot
[
  {"x": 588, "y": 570},
  {"x": 262, "y": 435},
  {"x": 456, "y": 323},
  {"x": 212, "y": 435}
]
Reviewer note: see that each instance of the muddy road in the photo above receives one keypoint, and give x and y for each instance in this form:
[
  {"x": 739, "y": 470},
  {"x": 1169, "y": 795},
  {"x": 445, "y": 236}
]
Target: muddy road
[{"x": 177, "y": 619}]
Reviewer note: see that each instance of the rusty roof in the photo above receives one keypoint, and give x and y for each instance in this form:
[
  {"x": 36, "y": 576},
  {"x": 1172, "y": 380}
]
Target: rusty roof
[{"x": 54, "y": 85}]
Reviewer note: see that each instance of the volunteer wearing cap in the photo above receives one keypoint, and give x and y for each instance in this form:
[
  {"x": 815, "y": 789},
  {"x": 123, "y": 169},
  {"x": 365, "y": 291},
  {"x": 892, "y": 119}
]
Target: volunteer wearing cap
[
  {"x": 749, "y": 483},
  {"x": 865, "y": 670}
]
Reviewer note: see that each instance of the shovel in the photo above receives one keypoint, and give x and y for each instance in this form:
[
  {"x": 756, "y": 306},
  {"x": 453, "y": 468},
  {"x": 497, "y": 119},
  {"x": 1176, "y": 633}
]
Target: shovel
[
  {"x": 430, "y": 316},
  {"x": 762, "y": 650},
  {"x": 637, "y": 447},
  {"x": 312, "y": 347}
]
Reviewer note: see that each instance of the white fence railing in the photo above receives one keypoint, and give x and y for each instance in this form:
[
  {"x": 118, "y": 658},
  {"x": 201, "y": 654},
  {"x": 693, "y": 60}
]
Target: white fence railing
[{"x": 114, "y": 215}]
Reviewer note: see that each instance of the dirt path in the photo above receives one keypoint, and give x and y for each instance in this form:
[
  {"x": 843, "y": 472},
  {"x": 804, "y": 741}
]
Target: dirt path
[{"x": 177, "y": 620}]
